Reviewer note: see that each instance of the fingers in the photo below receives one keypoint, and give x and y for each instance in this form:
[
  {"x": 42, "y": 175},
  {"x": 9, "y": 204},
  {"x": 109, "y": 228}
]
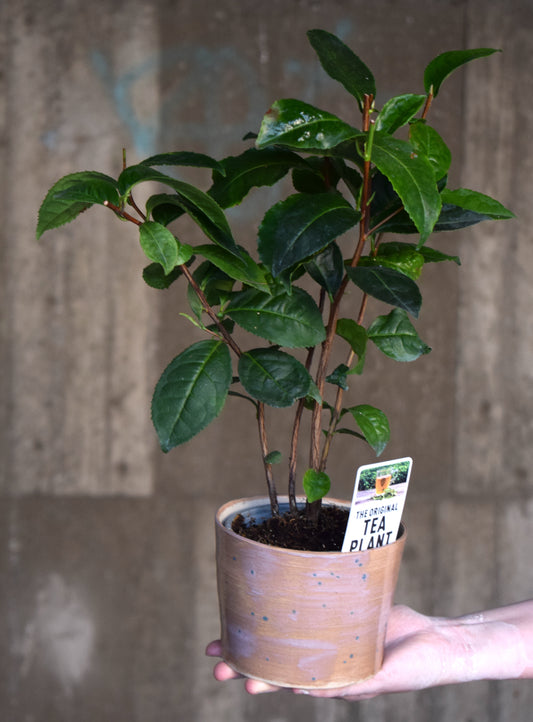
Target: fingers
[
  {"x": 223, "y": 672},
  {"x": 254, "y": 686},
  {"x": 214, "y": 649}
]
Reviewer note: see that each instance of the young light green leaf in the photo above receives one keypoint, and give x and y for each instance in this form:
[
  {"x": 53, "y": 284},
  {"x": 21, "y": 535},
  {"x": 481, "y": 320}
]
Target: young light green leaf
[
  {"x": 445, "y": 63},
  {"x": 402, "y": 257},
  {"x": 71, "y": 195},
  {"x": 396, "y": 337},
  {"x": 477, "y": 202},
  {"x": 374, "y": 425},
  {"x": 300, "y": 126},
  {"x": 398, "y": 111},
  {"x": 388, "y": 285},
  {"x": 191, "y": 392},
  {"x": 273, "y": 376},
  {"x": 286, "y": 319},
  {"x": 184, "y": 158},
  {"x": 159, "y": 245},
  {"x": 295, "y": 229},
  {"x": 412, "y": 178},
  {"x": 251, "y": 169},
  {"x": 427, "y": 141},
  {"x": 429, "y": 255},
  {"x": 316, "y": 485},
  {"x": 343, "y": 65}
]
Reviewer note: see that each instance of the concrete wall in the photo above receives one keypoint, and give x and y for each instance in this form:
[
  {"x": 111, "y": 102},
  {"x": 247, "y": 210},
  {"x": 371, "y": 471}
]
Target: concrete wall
[{"x": 107, "y": 589}]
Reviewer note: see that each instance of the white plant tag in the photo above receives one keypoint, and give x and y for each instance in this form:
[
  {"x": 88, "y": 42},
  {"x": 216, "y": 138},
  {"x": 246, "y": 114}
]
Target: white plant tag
[{"x": 377, "y": 504}]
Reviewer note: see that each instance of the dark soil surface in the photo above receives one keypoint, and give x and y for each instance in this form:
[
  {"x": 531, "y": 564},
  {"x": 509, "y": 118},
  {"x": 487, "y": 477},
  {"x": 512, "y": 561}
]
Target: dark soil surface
[{"x": 296, "y": 531}]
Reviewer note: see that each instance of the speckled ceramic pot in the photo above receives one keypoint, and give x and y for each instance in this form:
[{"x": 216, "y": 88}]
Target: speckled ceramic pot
[{"x": 301, "y": 619}]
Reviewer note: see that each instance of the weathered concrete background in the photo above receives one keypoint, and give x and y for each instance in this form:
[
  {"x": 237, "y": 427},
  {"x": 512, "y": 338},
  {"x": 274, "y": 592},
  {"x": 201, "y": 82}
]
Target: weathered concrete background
[{"x": 107, "y": 591}]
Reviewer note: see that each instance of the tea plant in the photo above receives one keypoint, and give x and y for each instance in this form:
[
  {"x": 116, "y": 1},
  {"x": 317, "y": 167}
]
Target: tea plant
[{"x": 352, "y": 184}]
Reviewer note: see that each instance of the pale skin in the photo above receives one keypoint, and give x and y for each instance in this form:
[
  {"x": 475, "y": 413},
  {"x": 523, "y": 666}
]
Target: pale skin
[{"x": 422, "y": 652}]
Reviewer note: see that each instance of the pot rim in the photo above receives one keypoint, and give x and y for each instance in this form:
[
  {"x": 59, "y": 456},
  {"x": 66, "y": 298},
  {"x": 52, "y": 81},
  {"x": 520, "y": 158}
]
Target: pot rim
[{"x": 224, "y": 512}]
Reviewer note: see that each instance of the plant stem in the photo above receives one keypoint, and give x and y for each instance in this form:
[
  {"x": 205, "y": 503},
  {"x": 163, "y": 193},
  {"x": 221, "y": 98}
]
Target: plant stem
[
  {"x": 268, "y": 467},
  {"x": 316, "y": 421}
]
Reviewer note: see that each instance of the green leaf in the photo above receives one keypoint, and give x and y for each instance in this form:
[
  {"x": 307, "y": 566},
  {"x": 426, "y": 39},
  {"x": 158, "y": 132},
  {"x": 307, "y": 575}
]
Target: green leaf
[
  {"x": 356, "y": 336},
  {"x": 477, "y": 202},
  {"x": 327, "y": 268},
  {"x": 388, "y": 285},
  {"x": 273, "y": 377},
  {"x": 396, "y": 337},
  {"x": 398, "y": 111},
  {"x": 295, "y": 229},
  {"x": 274, "y": 457},
  {"x": 204, "y": 211},
  {"x": 191, "y": 392},
  {"x": 242, "y": 268},
  {"x": 374, "y": 425},
  {"x": 412, "y": 178},
  {"x": 343, "y": 65},
  {"x": 316, "y": 175},
  {"x": 155, "y": 277},
  {"x": 251, "y": 169},
  {"x": 445, "y": 63},
  {"x": 286, "y": 319},
  {"x": 402, "y": 257},
  {"x": 184, "y": 158},
  {"x": 338, "y": 377},
  {"x": 316, "y": 485},
  {"x": 426, "y": 140},
  {"x": 159, "y": 245},
  {"x": 71, "y": 195},
  {"x": 429, "y": 255},
  {"x": 300, "y": 126}
]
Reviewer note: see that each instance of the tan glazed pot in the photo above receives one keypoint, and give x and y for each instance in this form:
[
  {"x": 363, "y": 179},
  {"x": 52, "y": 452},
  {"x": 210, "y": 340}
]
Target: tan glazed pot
[{"x": 301, "y": 619}]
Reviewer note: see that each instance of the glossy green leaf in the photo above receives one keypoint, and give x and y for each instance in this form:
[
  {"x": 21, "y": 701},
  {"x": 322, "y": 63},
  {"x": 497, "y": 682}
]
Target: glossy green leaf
[
  {"x": 388, "y": 285},
  {"x": 295, "y": 229},
  {"x": 164, "y": 208},
  {"x": 198, "y": 205},
  {"x": 71, "y": 195},
  {"x": 343, "y": 65},
  {"x": 286, "y": 319},
  {"x": 191, "y": 392},
  {"x": 184, "y": 158},
  {"x": 242, "y": 268},
  {"x": 427, "y": 141},
  {"x": 159, "y": 245},
  {"x": 477, "y": 202},
  {"x": 398, "y": 111},
  {"x": 155, "y": 277},
  {"x": 396, "y": 337},
  {"x": 316, "y": 485},
  {"x": 317, "y": 175},
  {"x": 445, "y": 63},
  {"x": 356, "y": 336},
  {"x": 273, "y": 376},
  {"x": 327, "y": 268},
  {"x": 251, "y": 169},
  {"x": 401, "y": 257},
  {"x": 374, "y": 425},
  {"x": 412, "y": 178},
  {"x": 215, "y": 285},
  {"x": 300, "y": 126},
  {"x": 451, "y": 218},
  {"x": 430, "y": 255}
]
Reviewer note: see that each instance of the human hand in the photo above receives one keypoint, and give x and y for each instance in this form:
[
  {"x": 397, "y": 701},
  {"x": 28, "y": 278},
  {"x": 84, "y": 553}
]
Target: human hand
[{"x": 422, "y": 651}]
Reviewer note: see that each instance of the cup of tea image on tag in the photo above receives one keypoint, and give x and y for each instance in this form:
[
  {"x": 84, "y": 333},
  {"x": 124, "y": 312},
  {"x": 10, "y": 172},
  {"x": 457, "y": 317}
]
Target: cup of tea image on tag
[{"x": 377, "y": 504}]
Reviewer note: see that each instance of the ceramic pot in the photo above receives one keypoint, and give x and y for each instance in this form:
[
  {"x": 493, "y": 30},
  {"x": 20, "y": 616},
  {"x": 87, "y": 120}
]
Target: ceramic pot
[{"x": 301, "y": 619}]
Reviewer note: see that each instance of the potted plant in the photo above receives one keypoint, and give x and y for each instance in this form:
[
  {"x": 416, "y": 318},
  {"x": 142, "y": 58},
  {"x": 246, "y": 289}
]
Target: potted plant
[{"x": 271, "y": 316}]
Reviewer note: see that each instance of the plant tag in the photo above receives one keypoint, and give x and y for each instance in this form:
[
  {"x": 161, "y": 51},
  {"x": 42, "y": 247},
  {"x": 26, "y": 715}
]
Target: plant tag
[{"x": 377, "y": 504}]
